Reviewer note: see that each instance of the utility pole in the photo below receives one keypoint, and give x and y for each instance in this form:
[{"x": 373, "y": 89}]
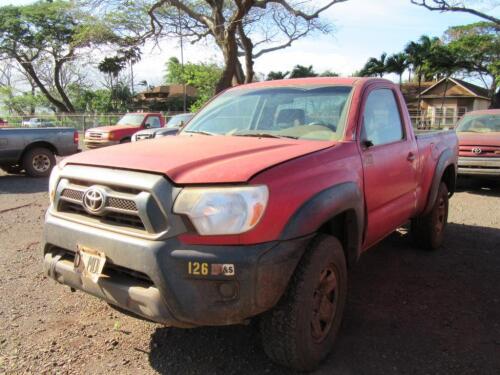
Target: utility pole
[{"x": 184, "y": 101}]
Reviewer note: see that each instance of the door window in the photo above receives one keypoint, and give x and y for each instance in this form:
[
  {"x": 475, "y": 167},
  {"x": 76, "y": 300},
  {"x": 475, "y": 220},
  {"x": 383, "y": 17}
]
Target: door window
[
  {"x": 381, "y": 120},
  {"x": 153, "y": 122}
]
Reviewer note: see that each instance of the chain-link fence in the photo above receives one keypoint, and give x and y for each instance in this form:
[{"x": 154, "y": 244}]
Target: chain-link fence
[
  {"x": 81, "y": 122},
  {"x": 425, "y": 120}
]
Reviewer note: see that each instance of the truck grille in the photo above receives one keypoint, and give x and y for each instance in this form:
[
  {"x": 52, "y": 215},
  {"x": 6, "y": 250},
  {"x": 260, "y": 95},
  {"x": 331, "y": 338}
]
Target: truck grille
[
  {"x": 129, "y": 202},
  {"x": 111, "y": 218},
  {"x": 481, "y": 151},
  {"x": 94, "y": 136}
]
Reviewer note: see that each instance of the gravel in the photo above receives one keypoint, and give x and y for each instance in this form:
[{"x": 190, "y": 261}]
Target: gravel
[{"x": 408, "y": 311}]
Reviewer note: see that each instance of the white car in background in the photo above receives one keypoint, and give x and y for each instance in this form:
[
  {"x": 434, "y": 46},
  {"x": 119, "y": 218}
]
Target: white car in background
[
  {"x": 171, "y": 128},
  {"x": 37, "y": 123}
]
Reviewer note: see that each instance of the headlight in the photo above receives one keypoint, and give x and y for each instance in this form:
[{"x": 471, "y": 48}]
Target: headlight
[
  {"x": 53, "y": 180},
  {"x": 224, "y": 210}
]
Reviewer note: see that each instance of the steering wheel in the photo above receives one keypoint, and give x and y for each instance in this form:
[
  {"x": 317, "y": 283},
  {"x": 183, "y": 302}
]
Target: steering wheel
[{"x": 324, "y": 124}]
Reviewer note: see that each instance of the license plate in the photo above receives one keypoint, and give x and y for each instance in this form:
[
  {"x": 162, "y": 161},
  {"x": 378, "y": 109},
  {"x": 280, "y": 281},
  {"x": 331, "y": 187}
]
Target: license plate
[{"x": 89, "y": 262}]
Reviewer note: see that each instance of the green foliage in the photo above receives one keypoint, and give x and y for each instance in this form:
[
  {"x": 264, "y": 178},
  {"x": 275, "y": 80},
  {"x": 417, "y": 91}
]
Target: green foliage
[
  {"x": 476, "y": 47},
  {"x": 20, "y": 104},
  {"x": 301, "y": 71},
  {"x": 46, "y": 35},
  {"x": 329, "y": 73},
  {"x": 111, "y": 65},
  {"x": 202, "y": 76},
  {"x": 374, "y": 67},
  {"x": 272, "y": 76}
]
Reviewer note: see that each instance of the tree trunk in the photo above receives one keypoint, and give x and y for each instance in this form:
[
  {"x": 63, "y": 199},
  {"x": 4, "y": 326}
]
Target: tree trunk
[
  {"x": 248, "y": 47},
  {"x": 495, "y": 96},
  {"x": 33, "y": 93},
  {"x": 61, "y": 107},
  {"x": 59, "y": 88},
  {"x": 230, "y": 51}
]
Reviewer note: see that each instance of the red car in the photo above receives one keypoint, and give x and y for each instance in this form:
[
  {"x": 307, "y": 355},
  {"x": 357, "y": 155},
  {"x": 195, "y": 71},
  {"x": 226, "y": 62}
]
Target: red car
[
  {"x": 257, "y": 209},
  {"x": 123, "y": 131},
  {"x": 479, "y": 138},
  {"x": 3, "y": 123}
]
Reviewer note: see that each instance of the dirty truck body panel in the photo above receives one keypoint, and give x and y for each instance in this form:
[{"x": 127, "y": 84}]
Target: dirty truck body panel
[{"x": 368, "y": 180}]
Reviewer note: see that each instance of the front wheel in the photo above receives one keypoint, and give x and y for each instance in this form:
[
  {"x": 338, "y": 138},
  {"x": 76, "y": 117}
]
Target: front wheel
[
  {"x": 38, "y": 162},
  {"x": 428, "y": 230},
  {"x": 300, "y": 331}
]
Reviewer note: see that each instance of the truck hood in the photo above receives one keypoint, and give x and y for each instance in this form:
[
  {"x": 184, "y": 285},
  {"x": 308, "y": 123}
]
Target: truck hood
[
  {"x": 107, "y": 129},
  {"x": 479, "y": 139},
  {"x": 200, "y": 159}
]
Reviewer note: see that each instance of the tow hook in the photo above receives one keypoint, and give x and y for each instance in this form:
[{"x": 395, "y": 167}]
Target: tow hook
[{"x": 52, "y": 267}]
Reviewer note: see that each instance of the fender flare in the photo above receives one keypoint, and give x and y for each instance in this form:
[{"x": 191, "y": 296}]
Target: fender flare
[
  {"x": 445, "y": 160},
  {"x": 325, "y": 205}
]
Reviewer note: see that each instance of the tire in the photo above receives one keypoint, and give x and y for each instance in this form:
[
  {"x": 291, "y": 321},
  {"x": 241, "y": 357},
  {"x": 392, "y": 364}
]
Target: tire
[
  {"x": 125, "y": 140},
  {"x": 38, "y": 162},
  {"x": 294, "y": 333},
  {"x": 428, "y": 230},
  {"x": 12, "y": 169}
]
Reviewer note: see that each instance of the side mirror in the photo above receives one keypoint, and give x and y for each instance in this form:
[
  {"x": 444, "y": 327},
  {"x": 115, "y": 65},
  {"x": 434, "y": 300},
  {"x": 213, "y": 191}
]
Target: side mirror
[
  {"x": 367, "y": 144},
  {"x": 147, "y": 126}
]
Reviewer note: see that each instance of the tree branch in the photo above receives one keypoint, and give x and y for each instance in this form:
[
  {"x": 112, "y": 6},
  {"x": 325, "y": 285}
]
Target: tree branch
[{"x": 446, "y": 6}]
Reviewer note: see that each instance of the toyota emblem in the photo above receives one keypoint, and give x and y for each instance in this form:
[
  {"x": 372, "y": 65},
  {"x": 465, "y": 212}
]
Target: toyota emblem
[
  {"x": 477, "y": 150},
  {"x": 94, "y": 200}
]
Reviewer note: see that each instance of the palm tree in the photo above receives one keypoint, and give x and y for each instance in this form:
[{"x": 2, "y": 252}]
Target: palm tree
[
  {"x": 397, "y": 63},
  {"x": 374, "y": 67},
  {"x": 418, "y": 54}
]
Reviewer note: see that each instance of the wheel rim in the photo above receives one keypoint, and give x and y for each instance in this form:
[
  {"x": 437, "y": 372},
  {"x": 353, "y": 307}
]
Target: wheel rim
[
  {"x": 324, "y": 304},
  {"x": 441, "y": 215},
  {"x": 41, "y": 163}
]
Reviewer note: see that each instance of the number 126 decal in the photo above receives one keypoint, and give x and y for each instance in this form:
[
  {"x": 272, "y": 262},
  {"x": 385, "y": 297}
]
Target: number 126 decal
[{"x": 206, "y": 269}]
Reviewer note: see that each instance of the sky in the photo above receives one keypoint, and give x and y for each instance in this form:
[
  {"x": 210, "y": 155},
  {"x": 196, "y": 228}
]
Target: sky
[{"x": 363, "y": 28}]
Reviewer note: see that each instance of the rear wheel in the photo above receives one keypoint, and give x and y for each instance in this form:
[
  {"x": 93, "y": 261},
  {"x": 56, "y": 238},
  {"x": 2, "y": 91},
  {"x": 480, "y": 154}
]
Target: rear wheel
[
  {"x": 38, "y": 162},
  {"x": 428, "y": 230},
  {"x": 125, "y": 140},
  {"x": 300, "y": 331}
]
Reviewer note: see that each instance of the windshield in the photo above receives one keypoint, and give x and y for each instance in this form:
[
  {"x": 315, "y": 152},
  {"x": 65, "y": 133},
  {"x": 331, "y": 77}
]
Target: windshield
[
  {"x": 308, "y": 112},
  {"x": 479, "y": 124},
  {"x": 131, "y": 119},
  {"x": 179, "y": 120}
]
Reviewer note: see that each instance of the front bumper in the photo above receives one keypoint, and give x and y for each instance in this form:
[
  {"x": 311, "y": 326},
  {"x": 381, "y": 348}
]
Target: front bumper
[
  {"x": 149, "y": 278},
  {"x": 479, "y": 166},
  {"x": 97, "y": 144}
]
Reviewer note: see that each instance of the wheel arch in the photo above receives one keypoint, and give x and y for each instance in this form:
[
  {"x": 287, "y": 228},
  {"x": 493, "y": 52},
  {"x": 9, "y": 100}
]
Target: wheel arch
[
  {"x": 336, "y": 211},
  {"x": 446, "y": 171},
  {"x": 38, "y": 144}
]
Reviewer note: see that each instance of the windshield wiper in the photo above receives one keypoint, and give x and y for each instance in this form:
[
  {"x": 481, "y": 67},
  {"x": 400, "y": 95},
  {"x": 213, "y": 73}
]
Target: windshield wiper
[
  {"x": 199, "y": 132},
  {"x": 264, "y": 135}
]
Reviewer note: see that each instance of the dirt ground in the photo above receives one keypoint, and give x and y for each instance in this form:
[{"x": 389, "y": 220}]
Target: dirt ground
[{"x": 408, "y": 311}]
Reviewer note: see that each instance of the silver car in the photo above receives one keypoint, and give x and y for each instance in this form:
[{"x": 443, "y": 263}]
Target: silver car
[{"x": 171, "y": 128}]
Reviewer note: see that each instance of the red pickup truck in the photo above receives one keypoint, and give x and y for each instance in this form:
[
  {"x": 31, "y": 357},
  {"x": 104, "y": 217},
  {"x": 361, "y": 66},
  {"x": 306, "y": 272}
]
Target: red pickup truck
[
  {"x": 257, "y": 209},
  {"x": 123, "y": 131},
  {"x": 479, "y": 144}
]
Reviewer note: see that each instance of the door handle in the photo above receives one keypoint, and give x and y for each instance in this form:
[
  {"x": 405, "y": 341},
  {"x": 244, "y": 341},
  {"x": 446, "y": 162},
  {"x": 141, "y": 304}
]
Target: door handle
[{"x": 411, "y": 157}]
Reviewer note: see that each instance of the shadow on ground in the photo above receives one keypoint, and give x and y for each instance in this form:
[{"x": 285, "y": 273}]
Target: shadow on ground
[
  {"x": 20, "y": 184},
  {"x": 408, "y": 312},
  {"x": 479, "y": 186}
]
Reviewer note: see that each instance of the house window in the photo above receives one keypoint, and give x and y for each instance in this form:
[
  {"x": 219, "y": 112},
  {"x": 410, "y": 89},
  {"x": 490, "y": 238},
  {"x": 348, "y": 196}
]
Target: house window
[{"x": 447, "y": 116}]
